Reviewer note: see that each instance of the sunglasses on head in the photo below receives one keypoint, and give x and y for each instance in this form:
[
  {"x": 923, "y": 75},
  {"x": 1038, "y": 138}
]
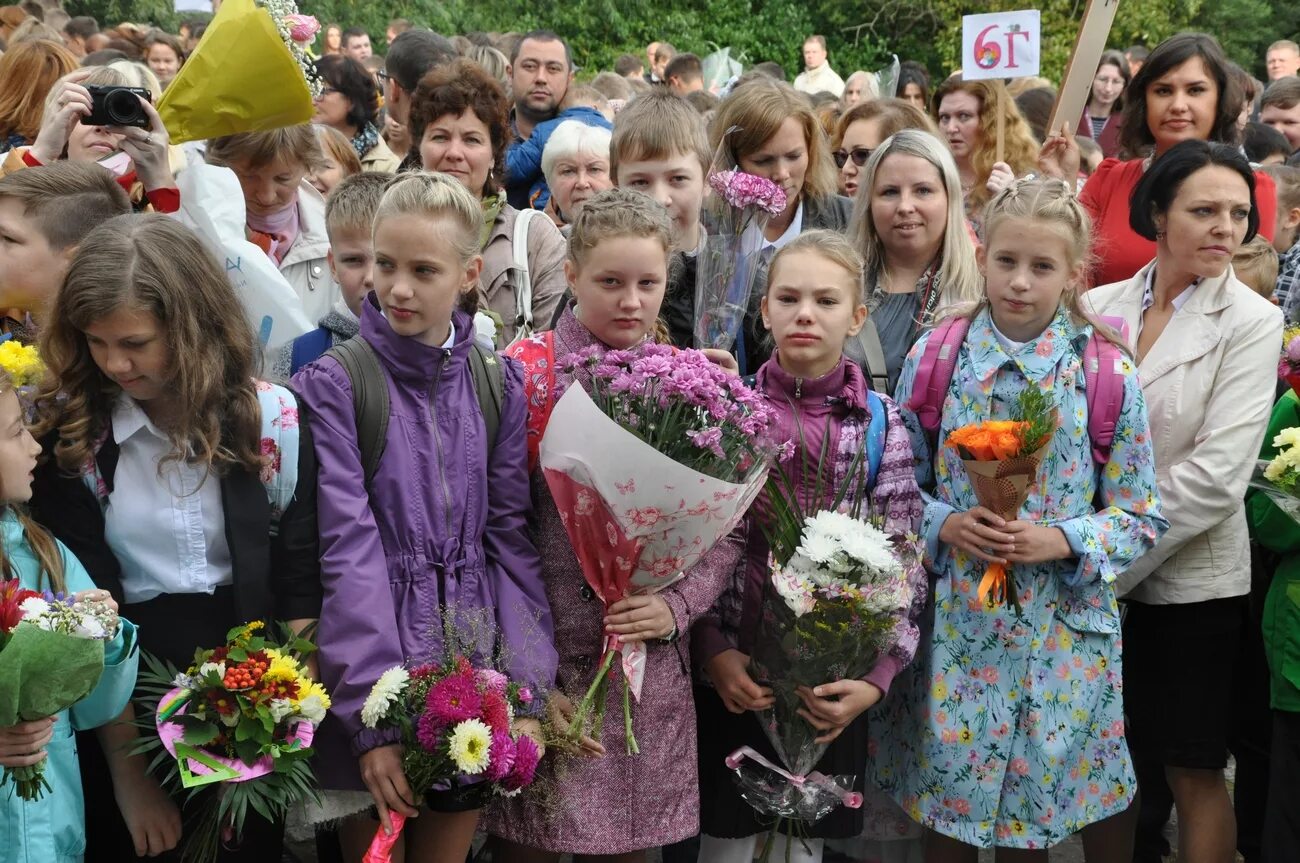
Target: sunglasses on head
[{"x": 859, "y": 155}]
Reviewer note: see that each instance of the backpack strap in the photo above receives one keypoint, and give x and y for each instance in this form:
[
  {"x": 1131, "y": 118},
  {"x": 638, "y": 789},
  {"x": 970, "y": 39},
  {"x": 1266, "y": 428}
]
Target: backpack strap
[
  {"x": 934, "y": 371},
  {"x": 279, "y": 445},
  {"x": 370, "y": 400},
  {"x": 523, "y": 281},
  {"x": 875, "y": 436},
  {"x": 874, "y": 356},
  {"x": 308, "y": 347},
  {"x": 537, "y": 355},
  {"x": 1103, "y": 374},
  {"x": 489, "y": 385}
]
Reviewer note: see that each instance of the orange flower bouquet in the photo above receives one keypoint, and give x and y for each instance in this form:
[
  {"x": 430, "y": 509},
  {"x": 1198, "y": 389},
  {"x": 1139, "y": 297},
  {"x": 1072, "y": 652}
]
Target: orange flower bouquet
[{"x": 1001, "y": 458}]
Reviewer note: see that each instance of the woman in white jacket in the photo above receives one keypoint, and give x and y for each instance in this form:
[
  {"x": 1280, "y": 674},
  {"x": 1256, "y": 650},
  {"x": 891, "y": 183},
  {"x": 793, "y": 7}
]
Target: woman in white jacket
[{"x": 1207, "y": 349}]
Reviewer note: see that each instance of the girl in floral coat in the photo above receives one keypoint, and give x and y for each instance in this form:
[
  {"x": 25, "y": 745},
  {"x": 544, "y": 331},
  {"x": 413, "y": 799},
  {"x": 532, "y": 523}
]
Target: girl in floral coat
[{"x": 1008, "y": 730}]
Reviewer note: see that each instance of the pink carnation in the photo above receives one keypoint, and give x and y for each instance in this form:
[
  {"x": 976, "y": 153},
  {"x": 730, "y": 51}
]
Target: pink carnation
[
  {"x": 1293, "y": 350},
  {"x": 502, "y": 757},
  {"x": 742, "y": 190},
  {"x": 453, "y": 699},
  {"x": 302, "y": 28},
  {"x": 525, "y": 695},
  {"x": 526, "y": 757}
]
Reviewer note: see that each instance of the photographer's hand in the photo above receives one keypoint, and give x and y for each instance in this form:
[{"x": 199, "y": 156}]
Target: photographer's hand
[
  {"x": 66, "y": 104},
  {"x": 148, "y": 149}
]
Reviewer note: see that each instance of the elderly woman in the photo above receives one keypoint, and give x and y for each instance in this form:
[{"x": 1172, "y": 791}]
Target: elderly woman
[
  {"x": 1184, "y": 91},
  {"x": 142, "y": 159},
  {"x": 285, "y": 214},
  {"x": 27, "y": 73},
  {"x": 1207, "y": 349},
  {"x": 576, "y": 166},
  {"x": 858, "y": 88},
  {"x": 864, "y": 127},
  {"x": 459, "y": 123},
  {"x": 349, "y": 103}
]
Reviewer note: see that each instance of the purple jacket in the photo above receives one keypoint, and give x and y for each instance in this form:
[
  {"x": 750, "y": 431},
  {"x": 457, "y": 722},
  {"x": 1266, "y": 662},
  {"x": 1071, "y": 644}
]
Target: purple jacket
[
  {"x": 444, "y": 525},
  {"x": 828, "y": 415}
]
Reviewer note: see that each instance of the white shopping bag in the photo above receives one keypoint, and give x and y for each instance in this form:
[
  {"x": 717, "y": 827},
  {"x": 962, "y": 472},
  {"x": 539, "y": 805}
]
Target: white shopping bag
[{"x": 212, "y": 205}]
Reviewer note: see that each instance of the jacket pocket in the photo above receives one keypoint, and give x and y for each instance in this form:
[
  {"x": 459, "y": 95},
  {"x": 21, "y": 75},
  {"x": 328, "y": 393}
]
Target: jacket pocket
[{"x": 1089, "y": 607}]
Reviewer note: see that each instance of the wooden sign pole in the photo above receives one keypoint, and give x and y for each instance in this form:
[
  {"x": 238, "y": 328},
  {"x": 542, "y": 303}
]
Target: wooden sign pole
[
  {"x": 1002, "y": 123},
  {"x": 1076, "y": 85}
]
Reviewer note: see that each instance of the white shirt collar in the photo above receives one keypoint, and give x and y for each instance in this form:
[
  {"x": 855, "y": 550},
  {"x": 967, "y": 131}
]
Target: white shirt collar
[
  {"x": 1149, "y": 292},
  {"x": 451, "y": 338},
  {"x": 756, "y": 241},
  {"x": 129, "y": 418}
]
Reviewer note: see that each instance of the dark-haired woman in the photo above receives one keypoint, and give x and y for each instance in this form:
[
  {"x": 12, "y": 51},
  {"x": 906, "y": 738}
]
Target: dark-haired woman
[
  {"x": 349, "y": 103},
  {"x": 1183, "y": 92},
  {"x": 1207, "y": 349},
  {"x": 1101, "y": 119},
  {"x": 459, "y": 126}
]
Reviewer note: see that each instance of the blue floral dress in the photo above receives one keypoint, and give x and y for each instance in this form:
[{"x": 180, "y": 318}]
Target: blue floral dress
[{"x": 1009, "y": 730}]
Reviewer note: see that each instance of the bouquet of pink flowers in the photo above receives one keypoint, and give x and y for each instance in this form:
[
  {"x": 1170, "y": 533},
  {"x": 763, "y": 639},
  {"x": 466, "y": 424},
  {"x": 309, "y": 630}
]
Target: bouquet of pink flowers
[
  {"x": 456, "y": 723},
  {"x": 51, "y": 657},
  {"x": 1288, "y": 365},
  {"x": 727, "y": 267},
  {"x": 649, "y": 471}
]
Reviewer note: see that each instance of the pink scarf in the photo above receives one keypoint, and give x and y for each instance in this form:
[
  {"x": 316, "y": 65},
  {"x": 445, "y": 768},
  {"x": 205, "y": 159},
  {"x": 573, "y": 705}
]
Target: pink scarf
[{"x": 280, "y": 230}]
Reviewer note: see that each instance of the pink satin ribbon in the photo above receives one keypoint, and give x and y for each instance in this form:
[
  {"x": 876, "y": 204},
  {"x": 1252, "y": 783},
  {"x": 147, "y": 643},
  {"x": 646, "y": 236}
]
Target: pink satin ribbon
[
  {"x": 851, "y": 799},
  {"x": 381, "y": 847}
]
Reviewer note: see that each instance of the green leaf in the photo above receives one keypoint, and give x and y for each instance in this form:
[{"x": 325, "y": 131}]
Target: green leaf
[{"x": 200, "y": 733}]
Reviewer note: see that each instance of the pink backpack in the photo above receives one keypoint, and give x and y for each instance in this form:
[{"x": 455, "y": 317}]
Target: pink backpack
[{"x": 1103, "y": 376}]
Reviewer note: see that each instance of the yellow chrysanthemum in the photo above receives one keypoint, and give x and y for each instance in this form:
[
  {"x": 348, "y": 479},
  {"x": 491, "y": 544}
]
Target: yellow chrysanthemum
[
  {"x": 471, "y": 745},
  {"x": 22, "y": 362},
  {"x": 282, "y": 667}
]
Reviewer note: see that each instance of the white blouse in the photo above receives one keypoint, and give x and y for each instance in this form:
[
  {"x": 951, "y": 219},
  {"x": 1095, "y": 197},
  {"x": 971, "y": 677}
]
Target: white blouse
[{"x": 167, "y": 529}]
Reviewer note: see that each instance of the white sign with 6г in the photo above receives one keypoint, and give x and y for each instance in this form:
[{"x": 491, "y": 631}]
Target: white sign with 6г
[{"x": 1000, "y": 45}]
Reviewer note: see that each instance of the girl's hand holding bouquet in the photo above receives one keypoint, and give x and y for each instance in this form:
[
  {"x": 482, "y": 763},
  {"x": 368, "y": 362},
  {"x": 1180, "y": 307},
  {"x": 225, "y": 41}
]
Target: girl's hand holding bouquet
[
  {"x": 729, "y": 671},
  {"x": 831, "y": 707}
]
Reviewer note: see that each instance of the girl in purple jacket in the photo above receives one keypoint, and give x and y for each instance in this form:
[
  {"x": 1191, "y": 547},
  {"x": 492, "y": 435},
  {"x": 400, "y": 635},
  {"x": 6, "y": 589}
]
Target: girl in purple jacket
[
  {"x": 441, "y": 523},
  {"x": 813, "y": 305}
]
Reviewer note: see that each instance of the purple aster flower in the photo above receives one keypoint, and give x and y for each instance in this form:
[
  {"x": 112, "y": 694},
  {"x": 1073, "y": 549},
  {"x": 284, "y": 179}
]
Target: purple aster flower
[
  {"x": 492, "y": 680},
  {"x": 502, "y": 756},
  {"x": 526, "y": 757},
  {"x": 428, "y": 732}
]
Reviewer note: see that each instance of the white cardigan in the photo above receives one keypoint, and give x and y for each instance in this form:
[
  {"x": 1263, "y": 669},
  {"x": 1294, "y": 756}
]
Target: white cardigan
[{"x": 1209, "y": 382}]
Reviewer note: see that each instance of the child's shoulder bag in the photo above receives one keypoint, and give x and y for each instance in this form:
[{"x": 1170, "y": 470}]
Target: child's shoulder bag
[
  {"x": 1103, "y": 373},
  {"x": 371, "y": 404}
]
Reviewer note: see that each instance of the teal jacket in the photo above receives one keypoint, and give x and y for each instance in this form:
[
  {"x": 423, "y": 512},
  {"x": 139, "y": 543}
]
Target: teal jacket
[
  {"x": 53, "y": 829},
  {"x": 1278, "y": 532}
]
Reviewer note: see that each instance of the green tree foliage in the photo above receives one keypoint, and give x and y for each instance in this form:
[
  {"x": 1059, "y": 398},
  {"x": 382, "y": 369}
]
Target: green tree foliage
[{"x": 861, "y": 35}]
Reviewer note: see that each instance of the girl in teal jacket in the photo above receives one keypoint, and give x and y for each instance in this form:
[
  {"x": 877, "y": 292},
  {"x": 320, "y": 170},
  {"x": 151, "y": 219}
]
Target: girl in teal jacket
[{"x": 53, "y": 828}]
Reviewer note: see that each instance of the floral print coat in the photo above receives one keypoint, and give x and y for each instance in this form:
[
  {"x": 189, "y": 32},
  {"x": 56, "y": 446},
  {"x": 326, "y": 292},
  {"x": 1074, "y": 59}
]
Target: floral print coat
[{"x": 1009, "y": 730}]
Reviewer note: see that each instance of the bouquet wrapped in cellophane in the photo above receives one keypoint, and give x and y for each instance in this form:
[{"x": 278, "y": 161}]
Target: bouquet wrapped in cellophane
[
  {"x": 456, "y": 721},
  {"x": 242, "y": 717},
  {"x": 1288, "y": 366},
  {"x": 1279, "y": 477},
  {"x": 838, "y": 589},
  {"x": 51, "y": 657},
  {"x": 1001, "y": 458},
  {"x": 648, "y": 471},
  {"x": 729, "y": 265}
]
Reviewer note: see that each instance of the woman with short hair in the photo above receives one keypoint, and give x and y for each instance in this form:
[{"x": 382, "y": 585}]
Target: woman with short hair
[
  {"x": 349, "y": 103},
  {"x": 575, "y": 164}
]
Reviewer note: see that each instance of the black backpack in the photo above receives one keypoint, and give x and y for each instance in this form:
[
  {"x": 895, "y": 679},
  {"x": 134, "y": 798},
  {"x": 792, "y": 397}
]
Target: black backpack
[{"x": 370, "y": 395}]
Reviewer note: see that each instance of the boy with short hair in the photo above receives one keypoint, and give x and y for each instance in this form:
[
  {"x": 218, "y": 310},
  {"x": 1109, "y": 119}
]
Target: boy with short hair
[
  {"x": 660, "y": 147},
  {"x": 1255, "y": 266},
  {"x": 349, "y": 220},
  {"x": 45, "y": 213}
]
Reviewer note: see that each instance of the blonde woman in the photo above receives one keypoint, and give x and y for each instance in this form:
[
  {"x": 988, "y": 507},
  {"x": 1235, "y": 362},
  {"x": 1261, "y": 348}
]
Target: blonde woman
[{"x": 910, "y": 227}]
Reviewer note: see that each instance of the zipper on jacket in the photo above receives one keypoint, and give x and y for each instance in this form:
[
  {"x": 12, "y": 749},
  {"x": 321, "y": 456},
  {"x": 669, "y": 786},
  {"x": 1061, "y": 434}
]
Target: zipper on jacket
[
  {"x": 798, "y": 388},
  {"x": 437, "y": 440}
]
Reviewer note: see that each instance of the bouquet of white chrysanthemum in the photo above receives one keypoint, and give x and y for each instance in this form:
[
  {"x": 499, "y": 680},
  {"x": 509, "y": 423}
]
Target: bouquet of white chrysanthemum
[{"x": 1279, "y": 477}]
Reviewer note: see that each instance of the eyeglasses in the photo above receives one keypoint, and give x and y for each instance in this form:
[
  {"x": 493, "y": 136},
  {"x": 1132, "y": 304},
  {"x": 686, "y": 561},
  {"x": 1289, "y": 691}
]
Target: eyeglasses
[
  {"x": 859, "y": 155},
  {"x": 381, "y": 76}
]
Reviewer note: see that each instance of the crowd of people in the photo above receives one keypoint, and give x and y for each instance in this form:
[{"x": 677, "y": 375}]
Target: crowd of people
[{"x": 456, "y": 197}]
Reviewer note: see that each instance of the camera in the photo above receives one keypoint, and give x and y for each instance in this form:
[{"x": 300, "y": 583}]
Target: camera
[{"x": 117, "y": 106}]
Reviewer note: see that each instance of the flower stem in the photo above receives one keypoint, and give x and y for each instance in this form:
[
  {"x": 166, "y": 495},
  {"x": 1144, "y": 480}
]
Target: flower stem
[
  {"x": 578, "y": 725},
  {"x": 632, "y": 748}
]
